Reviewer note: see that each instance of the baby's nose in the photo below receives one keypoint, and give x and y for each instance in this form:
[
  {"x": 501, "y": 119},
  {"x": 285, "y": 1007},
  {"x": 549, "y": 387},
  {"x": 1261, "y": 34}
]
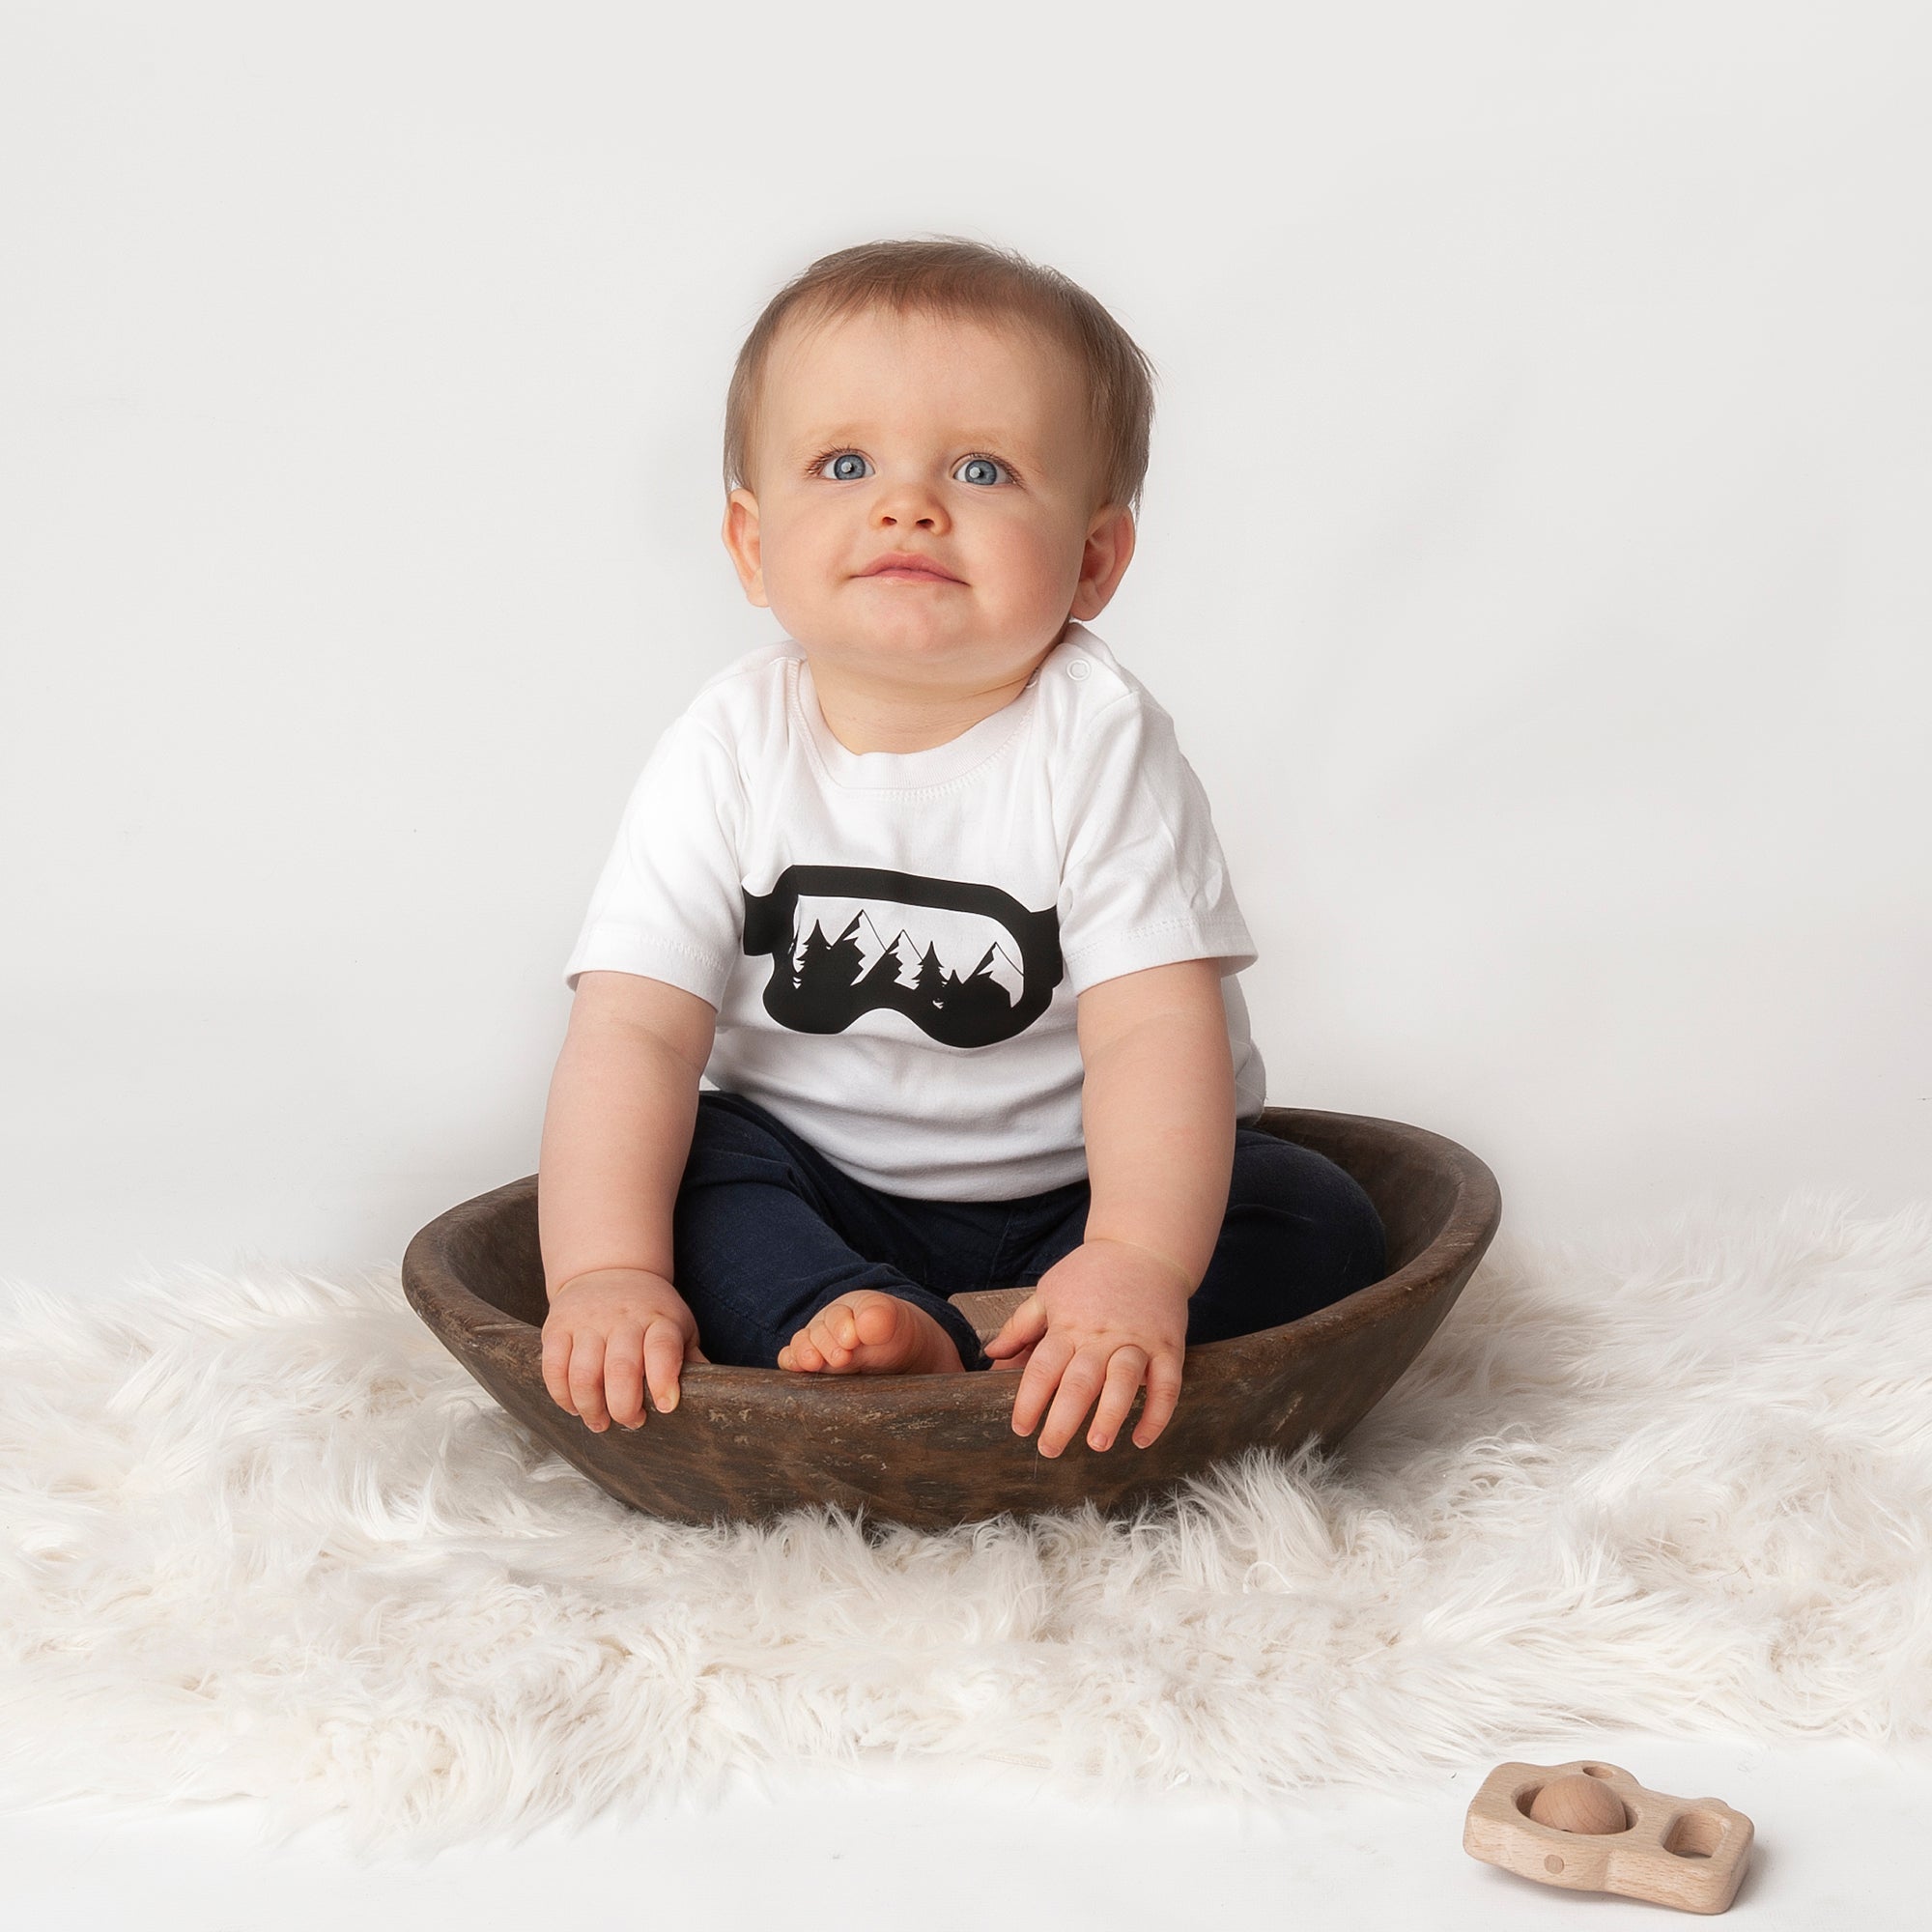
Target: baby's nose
[{"x": 911, "y": 505}]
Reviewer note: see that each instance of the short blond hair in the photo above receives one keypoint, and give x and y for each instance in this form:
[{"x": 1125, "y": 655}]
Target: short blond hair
[{"x": 958, "y": 279}]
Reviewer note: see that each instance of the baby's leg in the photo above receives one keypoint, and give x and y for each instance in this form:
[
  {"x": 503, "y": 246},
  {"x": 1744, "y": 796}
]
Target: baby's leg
[
  {"x": 767, "y": 1234},
  {"x": 1299, "y": 1234}
]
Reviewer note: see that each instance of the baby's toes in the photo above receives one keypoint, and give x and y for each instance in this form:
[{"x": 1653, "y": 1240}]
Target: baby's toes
[
  {"x": 800, "y": 1353},
  {"x": 876, "y": 1319},
  {"x": 835, "y": 1332}
]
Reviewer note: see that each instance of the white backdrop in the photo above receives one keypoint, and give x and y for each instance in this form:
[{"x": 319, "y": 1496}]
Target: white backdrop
[{"x": 1534, "y": 558}]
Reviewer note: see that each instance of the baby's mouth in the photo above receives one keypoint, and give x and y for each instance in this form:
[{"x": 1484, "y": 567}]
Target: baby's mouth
[{"x": 908, "y": 567}]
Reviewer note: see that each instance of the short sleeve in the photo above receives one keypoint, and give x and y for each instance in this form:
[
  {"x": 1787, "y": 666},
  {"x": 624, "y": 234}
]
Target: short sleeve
[
  {"x": 1143, "y": 882},
  {"x": 669, "y": 901}
]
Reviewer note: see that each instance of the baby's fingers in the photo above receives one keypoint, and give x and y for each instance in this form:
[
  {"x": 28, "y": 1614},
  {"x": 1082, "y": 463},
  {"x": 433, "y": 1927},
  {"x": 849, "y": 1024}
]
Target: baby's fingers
[
  {"x": 1025, "y": 1325},
  {"x": 1039, "y": 1383},
  {"x": 664, "y": 1357},
  {"x": 1163, "y": 1393},
  {"x": 1079, "y": 1384},
  {"x": 556, "y": 1366},
  {"x": 587, "y": 1379},
  {"x": 1123, "y": 1381}
]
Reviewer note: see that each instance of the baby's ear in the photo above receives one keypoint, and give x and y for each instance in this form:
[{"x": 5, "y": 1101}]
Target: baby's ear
[
  {"x": 741, "y": 539},
  {"x": 1104, "y": 559}
]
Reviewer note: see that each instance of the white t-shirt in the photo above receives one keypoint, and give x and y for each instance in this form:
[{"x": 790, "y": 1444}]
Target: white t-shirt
[{"x": 894, "y": 941}]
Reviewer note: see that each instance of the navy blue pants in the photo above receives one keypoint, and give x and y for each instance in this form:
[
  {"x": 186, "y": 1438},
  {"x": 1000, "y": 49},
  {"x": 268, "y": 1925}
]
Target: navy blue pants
[{"x": 767, "y": 1231}]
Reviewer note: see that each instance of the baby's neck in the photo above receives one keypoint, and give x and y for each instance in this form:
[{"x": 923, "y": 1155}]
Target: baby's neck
[{"x": 865, "y": 718}]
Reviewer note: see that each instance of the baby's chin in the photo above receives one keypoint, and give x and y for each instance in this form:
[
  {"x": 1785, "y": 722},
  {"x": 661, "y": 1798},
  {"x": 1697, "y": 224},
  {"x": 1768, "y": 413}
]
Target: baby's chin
[{"x": 936, "y": 625}]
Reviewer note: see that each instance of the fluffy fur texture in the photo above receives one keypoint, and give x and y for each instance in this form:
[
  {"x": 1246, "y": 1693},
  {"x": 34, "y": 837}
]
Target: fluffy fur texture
[{"x": 266, "y": 1537}]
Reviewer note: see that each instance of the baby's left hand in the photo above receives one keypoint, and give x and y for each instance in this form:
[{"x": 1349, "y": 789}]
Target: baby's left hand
[{"x": 1104, "y": 1319}]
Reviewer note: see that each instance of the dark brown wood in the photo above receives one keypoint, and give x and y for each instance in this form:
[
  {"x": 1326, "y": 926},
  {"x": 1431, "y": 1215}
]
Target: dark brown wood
[{"x": 930, "y": 1451}]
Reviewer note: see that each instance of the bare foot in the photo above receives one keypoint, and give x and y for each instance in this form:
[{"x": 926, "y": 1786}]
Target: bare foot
[{"x": 871, "y": 1333}]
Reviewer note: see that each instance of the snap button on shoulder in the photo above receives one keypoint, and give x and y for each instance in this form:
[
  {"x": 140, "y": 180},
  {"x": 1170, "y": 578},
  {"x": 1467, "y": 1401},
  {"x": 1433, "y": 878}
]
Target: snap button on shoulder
[{"x": 1077, "y": 668}]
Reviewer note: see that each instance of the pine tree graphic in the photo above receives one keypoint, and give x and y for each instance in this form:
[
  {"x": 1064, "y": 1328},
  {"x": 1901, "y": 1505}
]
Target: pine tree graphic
[
  {"x": 816, "y": 947},
  {"x": 931, "y": 980},
  {"x": 844, "y": 957},
  {"x": 820, "y": 984}
]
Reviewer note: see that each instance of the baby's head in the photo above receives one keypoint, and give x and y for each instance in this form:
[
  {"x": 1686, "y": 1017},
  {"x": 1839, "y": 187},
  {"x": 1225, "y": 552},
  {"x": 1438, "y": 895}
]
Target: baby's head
[{"x": 945, "y": 401}]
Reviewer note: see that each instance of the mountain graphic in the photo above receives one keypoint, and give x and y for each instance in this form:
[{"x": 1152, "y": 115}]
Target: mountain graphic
[
  {"x": 924, "y": 941},
  {"x": 967, "y": 964}
]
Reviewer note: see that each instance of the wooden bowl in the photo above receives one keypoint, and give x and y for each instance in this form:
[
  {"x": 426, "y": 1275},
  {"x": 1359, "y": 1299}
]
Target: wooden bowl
[{"x": 931, "y": 1451}]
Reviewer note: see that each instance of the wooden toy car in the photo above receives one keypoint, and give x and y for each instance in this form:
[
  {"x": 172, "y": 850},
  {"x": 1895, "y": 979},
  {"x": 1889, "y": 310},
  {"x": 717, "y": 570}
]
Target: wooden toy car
[{"x": 1686, "y": 1852}]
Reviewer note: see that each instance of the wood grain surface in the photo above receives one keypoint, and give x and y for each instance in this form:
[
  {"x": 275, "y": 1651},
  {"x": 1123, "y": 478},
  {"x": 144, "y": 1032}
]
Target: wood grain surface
[{"x": 931, "y": 1451}]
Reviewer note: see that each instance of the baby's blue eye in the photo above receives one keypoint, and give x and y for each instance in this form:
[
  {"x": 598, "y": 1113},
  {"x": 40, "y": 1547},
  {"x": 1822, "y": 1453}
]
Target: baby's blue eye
[
  {"x": 980, "y": 470},
  {"x": 838, "y": 461}
]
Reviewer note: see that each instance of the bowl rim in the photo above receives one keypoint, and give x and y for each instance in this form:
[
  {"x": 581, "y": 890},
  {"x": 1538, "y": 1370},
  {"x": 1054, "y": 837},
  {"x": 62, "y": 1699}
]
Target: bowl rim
[{"x": 1474, "y": 1213}]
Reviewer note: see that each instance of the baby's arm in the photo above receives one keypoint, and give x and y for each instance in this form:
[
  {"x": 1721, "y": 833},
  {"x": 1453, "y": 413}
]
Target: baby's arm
[
  {"x": 1157, "y": 1107},
  {"x": 616, "y": 1134}
]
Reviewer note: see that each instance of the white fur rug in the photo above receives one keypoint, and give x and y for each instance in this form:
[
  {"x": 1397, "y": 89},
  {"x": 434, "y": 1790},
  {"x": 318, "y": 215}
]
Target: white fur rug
[{"x": 265, "y": 1537}]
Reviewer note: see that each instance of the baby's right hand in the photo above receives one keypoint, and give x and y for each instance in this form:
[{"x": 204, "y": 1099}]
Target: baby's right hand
[{"x": 606, "y": 1334}]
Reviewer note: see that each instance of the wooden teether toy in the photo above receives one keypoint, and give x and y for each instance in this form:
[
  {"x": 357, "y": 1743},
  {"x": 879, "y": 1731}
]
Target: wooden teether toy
[{"x": 1593, "y": 1827}]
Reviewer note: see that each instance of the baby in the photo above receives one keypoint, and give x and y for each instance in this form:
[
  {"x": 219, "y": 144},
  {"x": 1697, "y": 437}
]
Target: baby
[{"x": 928, "y": 891}]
